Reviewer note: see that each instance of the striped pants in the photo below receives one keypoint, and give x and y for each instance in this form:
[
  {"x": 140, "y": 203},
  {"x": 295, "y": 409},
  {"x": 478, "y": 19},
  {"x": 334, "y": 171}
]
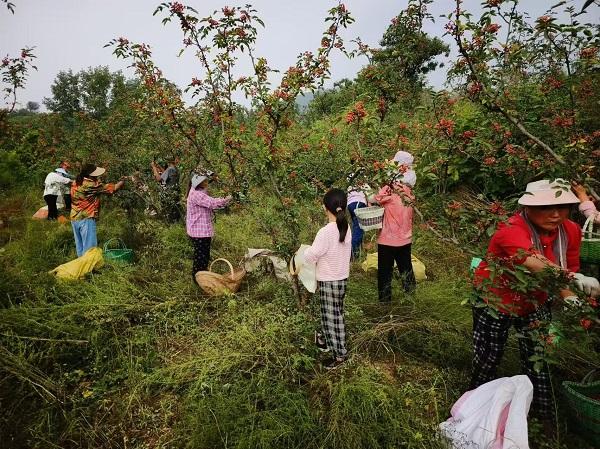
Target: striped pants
[{"x": 331, "y": 295}]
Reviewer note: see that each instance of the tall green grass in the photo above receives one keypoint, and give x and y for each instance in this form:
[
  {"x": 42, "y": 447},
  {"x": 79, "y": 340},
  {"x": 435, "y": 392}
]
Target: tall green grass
[{"x": 137, "y": 357}]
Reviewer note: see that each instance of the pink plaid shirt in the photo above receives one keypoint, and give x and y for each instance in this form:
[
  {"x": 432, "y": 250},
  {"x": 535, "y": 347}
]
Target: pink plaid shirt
[{"x": 199, "y": 217}]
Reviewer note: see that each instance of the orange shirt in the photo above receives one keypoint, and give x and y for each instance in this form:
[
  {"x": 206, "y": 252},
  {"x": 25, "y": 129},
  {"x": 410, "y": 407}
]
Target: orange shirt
[{"x": 85, "y": 198}]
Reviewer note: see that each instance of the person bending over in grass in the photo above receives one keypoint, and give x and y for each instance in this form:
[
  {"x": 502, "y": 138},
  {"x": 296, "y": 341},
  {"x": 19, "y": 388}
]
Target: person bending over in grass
[
  {"x": 85, "y": 205},
  {"x": 539, "y": 237},
  {"x": 330, "y": 252},
  {"x": 199, "y": 218}
]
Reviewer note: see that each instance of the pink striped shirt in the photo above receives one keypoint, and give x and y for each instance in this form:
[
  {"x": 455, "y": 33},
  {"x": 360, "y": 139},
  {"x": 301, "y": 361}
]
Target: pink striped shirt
[
  {"x": 331, "y": 256},
  {"x": 397, "y": 219},
  {"x": 199, "y": 216}
]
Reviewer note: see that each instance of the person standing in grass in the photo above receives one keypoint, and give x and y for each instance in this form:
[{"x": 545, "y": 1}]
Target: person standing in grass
[
  {"x": 56, "y": 184},
  {"x": 356, "y": 200},
  {"x": 170, "y": 191},
  {"x": 85, "y": 205},
  {"x": 395, "y": 238},
  {"x": 331, "y": 252},
  {"x": 539, "y": 238},
  {"x": 199, "y": 218}
]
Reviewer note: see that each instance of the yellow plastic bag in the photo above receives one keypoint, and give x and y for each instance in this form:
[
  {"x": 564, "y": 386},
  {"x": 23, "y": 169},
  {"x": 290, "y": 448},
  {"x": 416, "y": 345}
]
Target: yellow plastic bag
[
  {"x": 78, "y": 268},
  {"x": 370, "y": 263}
]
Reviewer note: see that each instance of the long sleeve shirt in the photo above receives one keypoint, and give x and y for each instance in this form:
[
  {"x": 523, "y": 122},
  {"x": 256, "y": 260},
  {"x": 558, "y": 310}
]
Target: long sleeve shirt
[
  {"x": 85, "y": 198},
  {"x": 199, "y": 216},
  {"x": 56, "y": 184},
  {"x": 397, "y": 218},
  {"x": 331, "y": 256},
  {"x": 587, "y": 208}
]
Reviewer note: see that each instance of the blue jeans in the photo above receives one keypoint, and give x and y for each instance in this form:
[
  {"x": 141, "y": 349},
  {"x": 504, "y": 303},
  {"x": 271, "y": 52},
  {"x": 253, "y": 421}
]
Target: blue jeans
[
  {"x": 357, "y": 233},
  {"x": 85, "y": 235}
]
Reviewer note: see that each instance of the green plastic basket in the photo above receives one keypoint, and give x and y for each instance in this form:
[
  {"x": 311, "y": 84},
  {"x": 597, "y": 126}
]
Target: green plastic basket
[
  {"x": 590, "y": 242},
  {"x": 584, "y": 401},
  {"x": 120, "y": 254}
]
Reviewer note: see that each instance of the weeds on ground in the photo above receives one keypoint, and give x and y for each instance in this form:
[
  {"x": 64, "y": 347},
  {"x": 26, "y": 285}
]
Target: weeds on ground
[{"x": 136, "y": 356}]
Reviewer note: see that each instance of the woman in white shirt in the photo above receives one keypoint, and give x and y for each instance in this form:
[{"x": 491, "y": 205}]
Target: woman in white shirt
[{"x": 57, "y": 183}]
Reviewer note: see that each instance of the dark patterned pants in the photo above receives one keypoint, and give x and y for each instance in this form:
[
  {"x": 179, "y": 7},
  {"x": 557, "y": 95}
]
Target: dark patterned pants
[
  {"x": 489, "y": 339},
  {"x": 201, "y": 254},
  {"x": 331, "y": 295}
]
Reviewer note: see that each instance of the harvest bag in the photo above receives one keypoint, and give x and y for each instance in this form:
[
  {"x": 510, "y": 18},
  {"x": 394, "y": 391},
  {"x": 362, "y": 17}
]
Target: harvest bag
[{"x": 493, "y": 416}]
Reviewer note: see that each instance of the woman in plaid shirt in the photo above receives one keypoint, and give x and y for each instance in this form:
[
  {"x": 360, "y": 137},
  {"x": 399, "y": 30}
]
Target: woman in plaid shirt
[{"x": 199, "y": 219}]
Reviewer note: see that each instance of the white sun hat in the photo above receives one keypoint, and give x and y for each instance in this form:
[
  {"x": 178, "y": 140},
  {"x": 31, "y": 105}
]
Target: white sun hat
[
  {"x": 548, "y": 193},
  {"x": 404, "y": 158},
  {"x": 98, "y": 171},
  {"x": 199, "y": 176}
]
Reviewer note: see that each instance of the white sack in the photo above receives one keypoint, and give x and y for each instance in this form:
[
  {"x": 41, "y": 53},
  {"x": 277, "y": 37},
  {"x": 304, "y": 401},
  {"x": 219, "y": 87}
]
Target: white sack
[{"x": 493, "y": 416}]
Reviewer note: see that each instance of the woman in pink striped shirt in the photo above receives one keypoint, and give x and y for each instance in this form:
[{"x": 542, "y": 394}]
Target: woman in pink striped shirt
[
  {"x": 199, "y": 219},
  {"x": 331, "y": 253}
]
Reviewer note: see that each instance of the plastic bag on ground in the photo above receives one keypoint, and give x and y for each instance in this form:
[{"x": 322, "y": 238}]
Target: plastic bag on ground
[
  {"x": 254, "y": 258},
  {"x": 493, "y": 416},
  {"x": 78, "y": 268},
  {"x": 306, "y": 272},
  {"x": 41, "y": 214},
  {"x": 418, "y": 267}
]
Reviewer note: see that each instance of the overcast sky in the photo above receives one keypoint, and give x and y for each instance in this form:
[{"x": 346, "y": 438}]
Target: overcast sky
[{"x": 70, "y": 34}]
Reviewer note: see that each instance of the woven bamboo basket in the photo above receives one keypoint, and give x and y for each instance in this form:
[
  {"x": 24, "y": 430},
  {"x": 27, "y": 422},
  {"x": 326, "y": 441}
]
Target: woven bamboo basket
[
  {"x": 216, "y": 284},
  {"x": 369, "y": 217}
]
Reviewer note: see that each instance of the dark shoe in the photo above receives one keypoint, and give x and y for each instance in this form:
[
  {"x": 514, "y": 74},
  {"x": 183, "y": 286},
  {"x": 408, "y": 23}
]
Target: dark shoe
[
  {"x": 334, "y": 363},
  {"x": 320, "y": 342}
]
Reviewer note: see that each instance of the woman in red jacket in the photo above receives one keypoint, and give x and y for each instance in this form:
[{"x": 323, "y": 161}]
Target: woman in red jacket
[{"x": 537, "y": 237}]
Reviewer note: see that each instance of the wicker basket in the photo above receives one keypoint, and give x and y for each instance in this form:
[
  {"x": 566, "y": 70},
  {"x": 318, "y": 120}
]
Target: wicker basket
[
  {"x": 590, "y": 242},
  {"x": 370, "y": 217},
  {"x": 216, "y": 284},
  {"x": 120, "y": 254},
  {"x": 584, "y": 400}
]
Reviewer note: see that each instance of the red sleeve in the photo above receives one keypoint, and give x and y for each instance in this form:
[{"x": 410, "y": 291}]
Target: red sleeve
[
  {"x": 508, "y": 241},
  {"x": 574, "y": 235}
]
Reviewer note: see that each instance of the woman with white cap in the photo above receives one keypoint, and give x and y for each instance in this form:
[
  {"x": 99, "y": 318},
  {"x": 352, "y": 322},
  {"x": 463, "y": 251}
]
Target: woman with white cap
[
  {"x": 85, "y": 207},
  {"x": 394, "y": 240},
  {"x": 539, "y": 237},
  {"x": 57, "y": 184},
  {"x": 199, "y": 218}
]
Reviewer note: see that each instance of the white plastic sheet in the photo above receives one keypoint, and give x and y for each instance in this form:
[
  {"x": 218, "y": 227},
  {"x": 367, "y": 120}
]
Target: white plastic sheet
[{"x": 493, "y": 416}]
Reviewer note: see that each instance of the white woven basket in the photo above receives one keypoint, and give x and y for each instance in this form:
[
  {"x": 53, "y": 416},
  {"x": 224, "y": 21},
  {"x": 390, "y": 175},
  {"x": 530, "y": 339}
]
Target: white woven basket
[{"x": 370, "y": 217}]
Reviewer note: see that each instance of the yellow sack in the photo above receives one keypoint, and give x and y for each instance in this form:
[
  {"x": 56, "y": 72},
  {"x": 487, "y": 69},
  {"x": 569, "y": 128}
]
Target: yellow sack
[
  {"x": 418, "y": 266},
  {"x": 78, "y": 268}
]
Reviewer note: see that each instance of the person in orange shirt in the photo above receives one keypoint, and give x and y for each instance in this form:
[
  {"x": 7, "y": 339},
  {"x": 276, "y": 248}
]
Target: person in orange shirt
[{"x": 85, "y": 205}]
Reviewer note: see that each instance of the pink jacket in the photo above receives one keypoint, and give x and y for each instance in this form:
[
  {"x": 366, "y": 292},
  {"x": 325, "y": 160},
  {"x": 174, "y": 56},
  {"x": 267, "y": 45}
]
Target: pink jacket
[{"x": 397, "y": 219}]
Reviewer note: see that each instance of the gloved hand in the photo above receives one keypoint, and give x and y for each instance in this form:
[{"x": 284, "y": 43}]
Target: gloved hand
[
  {"x": 587, "y": 284},
  {"x": 572, "y": 301}
]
